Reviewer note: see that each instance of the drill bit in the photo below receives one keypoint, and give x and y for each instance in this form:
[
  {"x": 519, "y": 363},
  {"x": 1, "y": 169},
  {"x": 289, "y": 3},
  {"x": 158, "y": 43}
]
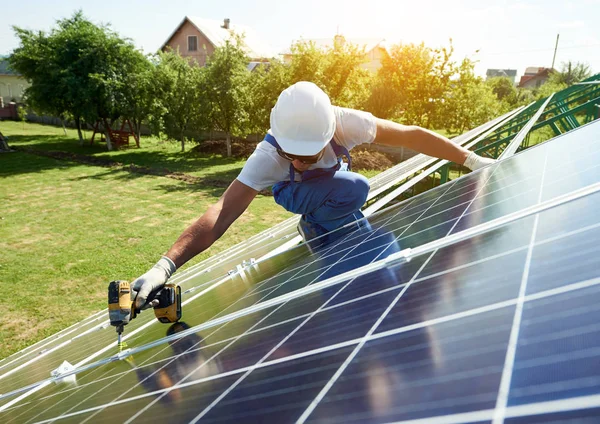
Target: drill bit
[{"x": 119, "y": 331}]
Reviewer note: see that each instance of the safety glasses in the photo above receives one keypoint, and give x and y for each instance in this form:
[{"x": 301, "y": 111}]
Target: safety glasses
[{"x": 308, "y": 160}]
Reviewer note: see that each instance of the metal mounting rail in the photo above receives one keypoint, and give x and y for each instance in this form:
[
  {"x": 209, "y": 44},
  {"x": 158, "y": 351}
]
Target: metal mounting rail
[{"x": 516, "y": 142}]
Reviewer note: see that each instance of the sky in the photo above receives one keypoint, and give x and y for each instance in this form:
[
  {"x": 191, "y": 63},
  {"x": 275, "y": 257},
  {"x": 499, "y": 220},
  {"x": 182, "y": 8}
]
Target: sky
[{"x": 497, "y": 34}]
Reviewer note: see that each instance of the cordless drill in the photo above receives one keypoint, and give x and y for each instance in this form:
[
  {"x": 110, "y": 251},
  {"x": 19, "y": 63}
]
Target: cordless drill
[{"x": 121, "y": 308}]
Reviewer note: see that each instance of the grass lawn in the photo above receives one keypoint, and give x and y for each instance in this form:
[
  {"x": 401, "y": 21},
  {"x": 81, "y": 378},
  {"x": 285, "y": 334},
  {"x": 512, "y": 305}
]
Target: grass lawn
[{"x": 67, "y": 229}]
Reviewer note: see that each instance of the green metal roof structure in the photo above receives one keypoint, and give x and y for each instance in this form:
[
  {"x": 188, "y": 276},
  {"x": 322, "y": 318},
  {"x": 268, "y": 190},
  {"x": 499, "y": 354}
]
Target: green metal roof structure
[{"x": 548, "y": 117}]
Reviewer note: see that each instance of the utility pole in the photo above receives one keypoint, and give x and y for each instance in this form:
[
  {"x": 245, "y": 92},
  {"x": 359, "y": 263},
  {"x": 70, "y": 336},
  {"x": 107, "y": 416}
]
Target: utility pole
[{"x": 555, "y": 48}]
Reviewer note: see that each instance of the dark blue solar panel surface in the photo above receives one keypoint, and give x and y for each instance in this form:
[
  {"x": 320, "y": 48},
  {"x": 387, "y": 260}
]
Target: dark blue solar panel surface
[{"x": 422, "y": 339}]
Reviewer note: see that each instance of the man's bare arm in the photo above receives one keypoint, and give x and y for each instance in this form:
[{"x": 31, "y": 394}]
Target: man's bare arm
[
  {"x": 210, "y": 227},
  {"x": 419, "y": 139}
]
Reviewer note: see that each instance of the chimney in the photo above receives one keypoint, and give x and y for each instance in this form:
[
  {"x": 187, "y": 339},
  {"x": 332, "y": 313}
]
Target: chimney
[{"x": 226, "y": 23}]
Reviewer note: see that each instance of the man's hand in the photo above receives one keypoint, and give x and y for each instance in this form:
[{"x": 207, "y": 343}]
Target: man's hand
[
  {"x": 151, "y": 281},
  {"x": 474, "y": 161}
]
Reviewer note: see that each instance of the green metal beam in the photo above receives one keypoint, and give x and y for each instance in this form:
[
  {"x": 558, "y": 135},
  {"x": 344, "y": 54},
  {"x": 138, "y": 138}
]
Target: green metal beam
[
  {"x": 498, "y": 143},
  {"x": 559, "y": 106},
  {"x": 589, "y": 104}
]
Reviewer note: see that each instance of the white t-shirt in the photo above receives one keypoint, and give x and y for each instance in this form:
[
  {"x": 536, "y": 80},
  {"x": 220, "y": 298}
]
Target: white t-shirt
[{"x": 265, "y": 167}]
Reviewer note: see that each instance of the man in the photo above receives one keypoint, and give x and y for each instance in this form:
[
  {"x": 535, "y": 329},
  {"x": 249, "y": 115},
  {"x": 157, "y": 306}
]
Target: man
[{"x": 300, "y": 159}]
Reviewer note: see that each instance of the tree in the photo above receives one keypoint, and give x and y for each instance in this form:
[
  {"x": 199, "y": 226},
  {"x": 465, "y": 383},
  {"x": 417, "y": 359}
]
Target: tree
[
  {"x": 138, "y": 95},
  {"x": 336, "y": 69},
  {"x": 503, "y": 88},
  {"x": 411, "y": 84},
  {"x": 227, "y": 88},
  {"x": 178, "y": 88},
  {"x": 78, "y": 68},
  {"x": 470, "y": 102},
  {"x": 265, "y": 84},
  {"x": 548, "y": 88},
  {"x": 570, "y": 73},
  {"x": 36, "y": 60},
  {"x": 509, "y": 96}
]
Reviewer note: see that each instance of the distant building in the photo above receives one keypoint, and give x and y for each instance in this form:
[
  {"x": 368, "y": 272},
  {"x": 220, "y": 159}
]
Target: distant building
[
  {"x": 12, "y": 85},
  {"x": 499, "y": 73},
  {"x": 198, "y": 38},
  {"x": 534, "y": 77},
  {"x": 374, "y": 49}
]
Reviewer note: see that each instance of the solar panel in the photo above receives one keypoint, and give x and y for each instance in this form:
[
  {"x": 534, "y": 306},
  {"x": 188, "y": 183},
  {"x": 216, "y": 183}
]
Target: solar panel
[{"x": 498, "y": 326}]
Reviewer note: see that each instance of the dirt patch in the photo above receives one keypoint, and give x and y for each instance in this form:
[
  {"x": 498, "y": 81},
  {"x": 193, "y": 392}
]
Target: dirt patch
[
  {"x": 369, "y": 160},
  {"x": 239, "y": 149}
]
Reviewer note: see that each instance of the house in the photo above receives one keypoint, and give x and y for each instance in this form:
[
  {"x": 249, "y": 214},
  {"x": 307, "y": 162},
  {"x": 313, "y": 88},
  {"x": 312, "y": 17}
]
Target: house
[
  {"x": 198, "y": 38},
  {"x": 499, "y": 73},
  {"x": 534, "y": 77},
  {"x": 374, "y": 49},
  {"x": 12, "y": 85}
]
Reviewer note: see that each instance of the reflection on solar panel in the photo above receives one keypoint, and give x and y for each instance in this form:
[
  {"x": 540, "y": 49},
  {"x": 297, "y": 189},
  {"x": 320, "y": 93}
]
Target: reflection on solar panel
[{"x": 477, "y": 301}]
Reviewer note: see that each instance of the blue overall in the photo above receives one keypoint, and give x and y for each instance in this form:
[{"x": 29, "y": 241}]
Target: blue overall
[{"x": 327, "y": 198}]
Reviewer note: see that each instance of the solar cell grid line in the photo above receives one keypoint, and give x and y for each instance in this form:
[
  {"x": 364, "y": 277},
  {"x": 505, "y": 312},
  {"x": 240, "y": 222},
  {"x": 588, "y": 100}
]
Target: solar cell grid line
[
  {"x": 502, "y": 399},
  {"x": 512, "y": 147},
  {"x": 267, "y": 355},
  {"x": 528, "y": 299},
  {"x": 352, "y": 355},
  {"x": 38, "y": 405}
]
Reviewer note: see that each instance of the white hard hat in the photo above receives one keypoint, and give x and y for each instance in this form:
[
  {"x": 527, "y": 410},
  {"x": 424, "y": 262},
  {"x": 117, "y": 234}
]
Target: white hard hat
[{"x": 302, "y": 120}]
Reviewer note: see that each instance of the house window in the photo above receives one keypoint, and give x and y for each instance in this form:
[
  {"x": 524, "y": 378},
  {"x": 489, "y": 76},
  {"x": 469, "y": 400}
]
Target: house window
[{"x": 192, "y": 43}]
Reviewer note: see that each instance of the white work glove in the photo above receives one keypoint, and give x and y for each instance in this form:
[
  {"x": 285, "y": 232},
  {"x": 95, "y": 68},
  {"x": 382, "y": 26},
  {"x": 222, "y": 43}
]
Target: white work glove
[
  {"x": 152, "y": 281},
  {"x": 474, "y": 161}
]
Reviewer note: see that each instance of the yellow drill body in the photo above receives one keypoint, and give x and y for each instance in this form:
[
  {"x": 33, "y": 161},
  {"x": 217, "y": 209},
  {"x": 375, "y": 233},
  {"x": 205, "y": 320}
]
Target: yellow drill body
[{"x": 121, "y": 309}]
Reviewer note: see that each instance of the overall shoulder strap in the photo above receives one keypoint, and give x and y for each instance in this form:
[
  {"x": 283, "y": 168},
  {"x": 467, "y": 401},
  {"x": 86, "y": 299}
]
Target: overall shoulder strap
[
  {"x": 340, "y": 151},
  {"x": 271, "y": 140}
]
